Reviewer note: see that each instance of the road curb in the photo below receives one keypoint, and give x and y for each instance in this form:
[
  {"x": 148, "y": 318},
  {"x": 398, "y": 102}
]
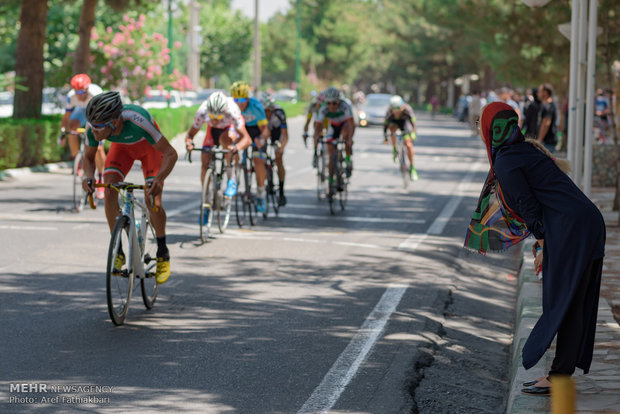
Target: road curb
[
  {"x": 528, "y": 308},
  {"x": 18, "y": 172}
]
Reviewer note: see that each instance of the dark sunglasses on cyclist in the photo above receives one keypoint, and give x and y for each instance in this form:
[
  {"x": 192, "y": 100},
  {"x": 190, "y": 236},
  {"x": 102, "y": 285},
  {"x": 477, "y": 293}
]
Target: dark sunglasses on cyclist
[
  {"x": 333, "y": 102},
  {"x": 241, "y": 100},
  {"x": 99, "y": 127},
  {"x": 81, "y": 91}
]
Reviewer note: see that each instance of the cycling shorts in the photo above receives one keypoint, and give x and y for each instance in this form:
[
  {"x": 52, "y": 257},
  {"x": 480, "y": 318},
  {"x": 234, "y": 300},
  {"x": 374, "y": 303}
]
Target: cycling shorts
[
  {"x": 333, "y": 133},
  {"x": 404, "y": 125},
  {"x": 121, "y": 157},
  {"x": 213, "y": 136}
]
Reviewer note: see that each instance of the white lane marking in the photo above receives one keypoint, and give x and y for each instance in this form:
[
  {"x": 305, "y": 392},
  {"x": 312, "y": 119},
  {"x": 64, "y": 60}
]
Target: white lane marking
[
  {"x": 440, "y": 222},
  {"x": 437, "y": 227},
  {"x": 344, "y": 369},
  {"x": 350, "y": 218},
  {"x": 5, "y": 227},
  {"x": 183, "y": 209},
  {"x": 250, "y": 236}
]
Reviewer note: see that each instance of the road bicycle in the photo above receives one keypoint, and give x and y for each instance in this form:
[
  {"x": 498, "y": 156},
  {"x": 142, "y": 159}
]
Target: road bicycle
[
  {"x": 338, "y": 188},
  {"x": 245, "y": 202},
  {"x": 79, "y": 195},
  {"x": 132, "y": 253},
  {"x": 272, "y": 190},
  {"x": 403, "y": 160},
  {"x": 213, "y": 202},
  {"x": 322, "y": 187}
]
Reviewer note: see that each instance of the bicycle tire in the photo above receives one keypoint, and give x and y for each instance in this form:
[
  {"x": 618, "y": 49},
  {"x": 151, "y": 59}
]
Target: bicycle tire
[
  {"x": 224, "y": 205},
  {"x": 320, "y": 174},
  {"x": 148, "y": 283},
  {"x": 250, "y": 203},
  {"x": 79, "y": 195},
  {"x": 240, "y": 210},
  {"x": 119, "y": 282},
  {"x": 404, "y": 168},
  {"x": 333, "y": 187},
  {"x": 206, "y": 205}
]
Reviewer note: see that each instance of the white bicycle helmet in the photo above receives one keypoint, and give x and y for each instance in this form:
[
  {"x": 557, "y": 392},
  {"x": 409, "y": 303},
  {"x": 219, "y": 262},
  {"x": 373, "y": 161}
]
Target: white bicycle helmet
[
  {"x": 268, "y": 101},
  {"x": 396, "y": 102},
  {"x": 331, "y": 94},
  {"x": 104, "y": 107},
  {"x": 216, "y": 103}
]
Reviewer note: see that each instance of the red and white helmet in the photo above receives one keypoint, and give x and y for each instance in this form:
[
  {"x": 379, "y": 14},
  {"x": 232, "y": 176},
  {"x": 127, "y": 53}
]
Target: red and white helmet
[{"x": 80, "y": 81}]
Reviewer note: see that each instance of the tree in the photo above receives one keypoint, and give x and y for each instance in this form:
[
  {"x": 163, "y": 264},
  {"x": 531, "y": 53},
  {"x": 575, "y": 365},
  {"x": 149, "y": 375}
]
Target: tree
[
  {"x": 29, "y": 58},
  {"x": 87, "y": 22}
]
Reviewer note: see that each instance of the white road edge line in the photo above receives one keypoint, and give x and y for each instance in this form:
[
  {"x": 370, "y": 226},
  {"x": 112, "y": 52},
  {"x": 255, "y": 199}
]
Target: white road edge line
[{"x": 344, "y": 369}]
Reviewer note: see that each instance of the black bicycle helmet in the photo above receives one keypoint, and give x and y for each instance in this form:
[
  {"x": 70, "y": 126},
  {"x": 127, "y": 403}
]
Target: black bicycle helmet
[{"x": 104, "y": 107}]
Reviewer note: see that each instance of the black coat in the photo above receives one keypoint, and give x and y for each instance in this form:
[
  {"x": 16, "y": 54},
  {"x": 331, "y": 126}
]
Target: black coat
[{"x": 554, "y": 209}]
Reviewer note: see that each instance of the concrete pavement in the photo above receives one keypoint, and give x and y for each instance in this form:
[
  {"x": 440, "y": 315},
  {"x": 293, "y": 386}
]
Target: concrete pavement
[{"x": 599, "y": 391}]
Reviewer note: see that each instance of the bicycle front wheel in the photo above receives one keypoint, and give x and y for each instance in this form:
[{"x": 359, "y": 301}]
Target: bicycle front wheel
[
  {"x": 148, "y": 283},
  {"x": 321, "y": 175},
  {"x": 224, "y": 205},
  {"x": 404, "y": 167},
  {"x": 79, "y": 195},
  {"x": 343, "y": 189},
  {"x": 119, "y": 271},
  {"x": 206, "y": 205}
]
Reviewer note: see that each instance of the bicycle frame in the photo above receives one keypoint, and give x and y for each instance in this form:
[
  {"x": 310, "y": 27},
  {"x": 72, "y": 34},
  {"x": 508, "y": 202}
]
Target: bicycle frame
[{"x": 137, "y": 246}]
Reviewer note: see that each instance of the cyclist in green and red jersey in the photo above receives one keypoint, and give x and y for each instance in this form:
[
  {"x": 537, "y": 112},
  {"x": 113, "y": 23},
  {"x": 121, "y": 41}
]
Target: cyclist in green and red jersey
[{"x": 134, "y": 135}]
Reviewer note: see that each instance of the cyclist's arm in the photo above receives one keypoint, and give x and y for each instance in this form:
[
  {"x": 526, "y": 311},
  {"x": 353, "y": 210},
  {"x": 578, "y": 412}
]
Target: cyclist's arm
[
  {"x": 244, "y": 138},
  {"x": 167, "y": 164},
  {"x": 284, "y": 139},
  {"x": 308, "y": 119},
  {"x": 189, "y": 138},
  {"x": 89, "y": 167},
  {"x": 65, "y": 120},
  {"x": 545, "y": 124}
]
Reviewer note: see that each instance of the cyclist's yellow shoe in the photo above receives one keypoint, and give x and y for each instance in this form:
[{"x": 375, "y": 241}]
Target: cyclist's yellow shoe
[
  {"x": 119, "y": 262},
  {"x": 162, "y": 272}
]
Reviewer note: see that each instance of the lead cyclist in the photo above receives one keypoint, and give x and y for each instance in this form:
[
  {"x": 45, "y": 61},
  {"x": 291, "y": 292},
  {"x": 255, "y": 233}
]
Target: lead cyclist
[{"x": 400, "y": 115}]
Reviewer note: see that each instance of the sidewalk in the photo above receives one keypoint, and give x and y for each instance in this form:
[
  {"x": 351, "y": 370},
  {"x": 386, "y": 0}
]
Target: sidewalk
[{"x": 599, "y": 391}]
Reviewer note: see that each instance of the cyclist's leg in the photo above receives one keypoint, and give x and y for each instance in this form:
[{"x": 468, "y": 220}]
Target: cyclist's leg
[
  {"x": 117, "y": 165},
  {"x": 100, "y": 159},
  {"x": 409, "y": 137},
  {"x": 393, "y": 128},
  {"x": 347, "y": 136},
  {"x": 231, "y": 184},
  {"x": 258, "y": 158},
  {"x": 73, "y": 139}
]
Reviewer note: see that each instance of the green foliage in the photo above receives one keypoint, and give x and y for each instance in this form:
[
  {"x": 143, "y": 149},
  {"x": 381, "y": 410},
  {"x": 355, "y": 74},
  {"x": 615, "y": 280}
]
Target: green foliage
[
  {"x": 29, "y": 142},
  {"x": 174, "y": 121},
  {"x": 226, "y": 40}
]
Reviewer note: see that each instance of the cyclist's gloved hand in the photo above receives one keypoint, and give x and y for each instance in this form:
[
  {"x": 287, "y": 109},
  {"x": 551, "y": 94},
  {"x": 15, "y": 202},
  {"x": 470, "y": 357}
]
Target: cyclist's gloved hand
[
  {"x": 88, "y": 184},
  {"x": 233, "y": 148},
  {"x": 189, "y": 144},
  {"x": 154, "y": 188}
]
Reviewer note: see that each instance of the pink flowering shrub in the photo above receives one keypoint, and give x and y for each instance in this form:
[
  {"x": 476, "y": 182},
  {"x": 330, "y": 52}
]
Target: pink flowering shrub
[{"x": 134, "y": 61}]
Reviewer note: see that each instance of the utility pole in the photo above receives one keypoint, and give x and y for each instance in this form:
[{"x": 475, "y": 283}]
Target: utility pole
[
  {"x": 169, "y": 45},
  {"x": 256, "y": 49}
]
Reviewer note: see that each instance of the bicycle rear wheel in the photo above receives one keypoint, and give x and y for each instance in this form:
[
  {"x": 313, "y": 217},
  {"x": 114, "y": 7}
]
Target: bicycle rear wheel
[
  {"x": 79, "y": 195},
  {"x": 206, "y": 205},
  {"x": 250, "y": 203},
  {"x": 148, "y": 284},
  {"x": 333, "y": 188},
  {"x": 119, "y": 271}
]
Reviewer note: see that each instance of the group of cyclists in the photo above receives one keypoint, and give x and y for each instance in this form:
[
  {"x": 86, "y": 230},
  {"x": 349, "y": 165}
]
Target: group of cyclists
[{"x": 234, "y": 123}]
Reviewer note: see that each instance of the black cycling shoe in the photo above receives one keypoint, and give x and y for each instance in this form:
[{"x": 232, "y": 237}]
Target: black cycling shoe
[{"x": 281, "y": 200}]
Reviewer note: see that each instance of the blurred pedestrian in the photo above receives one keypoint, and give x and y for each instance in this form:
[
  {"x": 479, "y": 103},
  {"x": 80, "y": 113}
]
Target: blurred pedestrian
[
  {"x": 527, "y": 192},
  {"x": 547, "y": 130},
  {"x": 530, "y": 115}
]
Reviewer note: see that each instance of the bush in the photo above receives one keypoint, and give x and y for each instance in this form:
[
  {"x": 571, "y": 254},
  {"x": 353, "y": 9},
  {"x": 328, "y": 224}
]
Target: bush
[{"x": 29, "y": 142}]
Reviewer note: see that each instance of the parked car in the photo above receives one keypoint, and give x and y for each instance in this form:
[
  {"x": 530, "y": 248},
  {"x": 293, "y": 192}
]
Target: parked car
[
  {"x": 200, "y": 96},
  {"x": 6, "y": 104},
  {"x": 286, "y": 95},
  {"x": 159, "y": 99},
  {"x": 372, "y": 111}
]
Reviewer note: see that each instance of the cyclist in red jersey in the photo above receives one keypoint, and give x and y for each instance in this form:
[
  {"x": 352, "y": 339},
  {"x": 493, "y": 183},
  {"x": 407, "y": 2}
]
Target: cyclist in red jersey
[{"x": 135, "y": 136}]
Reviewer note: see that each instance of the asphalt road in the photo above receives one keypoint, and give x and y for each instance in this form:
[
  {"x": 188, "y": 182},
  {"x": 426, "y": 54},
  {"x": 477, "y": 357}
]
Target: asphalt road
[{"x": 377, "y": 309}]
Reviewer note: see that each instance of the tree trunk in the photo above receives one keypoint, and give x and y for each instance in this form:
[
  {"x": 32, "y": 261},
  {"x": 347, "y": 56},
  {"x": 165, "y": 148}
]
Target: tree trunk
[
  {"x": 29, "y": 58},
  {"x": 87, "y": 21}
]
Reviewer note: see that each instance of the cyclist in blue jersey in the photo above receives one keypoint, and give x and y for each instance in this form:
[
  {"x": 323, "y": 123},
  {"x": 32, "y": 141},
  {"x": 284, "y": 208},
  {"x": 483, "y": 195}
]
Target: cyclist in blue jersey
[{"x": 256, "y": 125}]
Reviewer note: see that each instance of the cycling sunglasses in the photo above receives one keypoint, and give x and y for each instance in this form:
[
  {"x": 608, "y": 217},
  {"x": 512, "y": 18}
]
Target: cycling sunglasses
[
  {"x": 218, "y": 116},
  {"x": 332, "y": 102},
  {"x": 241, "y": 100},
  {"x": 81, "y": 91},
  {"x": 99, "y": 127}
]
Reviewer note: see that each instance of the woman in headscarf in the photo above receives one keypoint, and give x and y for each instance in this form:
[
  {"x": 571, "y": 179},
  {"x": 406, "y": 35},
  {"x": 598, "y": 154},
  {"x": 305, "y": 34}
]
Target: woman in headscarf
[{"x": 528, "y": 192}]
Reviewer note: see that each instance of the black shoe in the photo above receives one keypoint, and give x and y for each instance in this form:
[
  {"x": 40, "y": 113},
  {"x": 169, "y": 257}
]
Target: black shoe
[
  {"x": 534, "y": 390},
  {"x": 532, "y": 382},
  {"x": 281, "y": 200}
]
